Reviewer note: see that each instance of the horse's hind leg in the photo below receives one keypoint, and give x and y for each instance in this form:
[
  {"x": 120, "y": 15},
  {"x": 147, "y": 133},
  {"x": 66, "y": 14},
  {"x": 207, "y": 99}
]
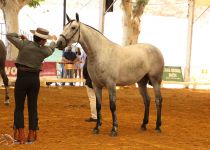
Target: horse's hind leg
[
  {"x": 158, "y": 101},
  {"x": 112, "y": 103},
  {"x": 6, "y": 81},
  {"x": 143, "y": 91}
]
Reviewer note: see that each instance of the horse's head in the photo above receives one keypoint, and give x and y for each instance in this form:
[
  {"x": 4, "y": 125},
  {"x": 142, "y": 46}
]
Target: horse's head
[{"x": 71, "y": 33}]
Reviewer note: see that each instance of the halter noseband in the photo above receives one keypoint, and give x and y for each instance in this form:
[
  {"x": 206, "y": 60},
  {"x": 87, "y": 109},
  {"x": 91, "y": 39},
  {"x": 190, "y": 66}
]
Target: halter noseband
[{"x": 67, "y": 40}]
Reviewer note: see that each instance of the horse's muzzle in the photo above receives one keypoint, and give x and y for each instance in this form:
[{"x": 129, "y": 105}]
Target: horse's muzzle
[{"x": 60, "y": 45}]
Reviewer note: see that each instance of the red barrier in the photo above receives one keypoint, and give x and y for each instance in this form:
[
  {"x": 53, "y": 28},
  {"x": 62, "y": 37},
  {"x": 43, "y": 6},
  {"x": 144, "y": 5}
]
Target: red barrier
[{"x": 48, "y": 69}]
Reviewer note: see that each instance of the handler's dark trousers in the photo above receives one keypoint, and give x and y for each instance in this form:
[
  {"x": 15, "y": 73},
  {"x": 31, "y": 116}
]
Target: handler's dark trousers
[{"x": 27, "y": 84}]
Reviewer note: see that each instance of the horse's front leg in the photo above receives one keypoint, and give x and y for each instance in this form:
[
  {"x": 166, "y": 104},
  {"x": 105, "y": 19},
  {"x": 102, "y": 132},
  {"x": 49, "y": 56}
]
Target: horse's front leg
[
  {"x": 112, "y": 100},
  {"x": 6, "y": 84},
  {"x": 98, "y": 92}
]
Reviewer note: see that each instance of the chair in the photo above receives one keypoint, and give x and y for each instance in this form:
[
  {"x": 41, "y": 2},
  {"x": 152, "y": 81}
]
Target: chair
[{"x": 69, "y": 70}]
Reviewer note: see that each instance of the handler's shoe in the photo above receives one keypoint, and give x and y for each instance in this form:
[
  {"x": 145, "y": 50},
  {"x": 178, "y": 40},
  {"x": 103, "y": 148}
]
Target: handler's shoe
[
  {"x": 21, "y": 136},
  {"x": 32, "y": 136},
  {"x": 91, "y": 120}
]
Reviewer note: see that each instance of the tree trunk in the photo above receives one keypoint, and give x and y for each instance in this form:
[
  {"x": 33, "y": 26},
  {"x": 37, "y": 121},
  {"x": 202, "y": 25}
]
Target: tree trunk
[
  {"x": 11, "y": 21},
  {"x": 132, "y": 11},
  {"x": 127, "y": 28},
  {"x": 11, "y": 10}
]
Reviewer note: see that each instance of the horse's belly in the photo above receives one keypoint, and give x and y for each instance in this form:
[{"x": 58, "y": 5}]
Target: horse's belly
[
  {"x": 125, "y": 83},
  {"x": 129, "y": 79}
]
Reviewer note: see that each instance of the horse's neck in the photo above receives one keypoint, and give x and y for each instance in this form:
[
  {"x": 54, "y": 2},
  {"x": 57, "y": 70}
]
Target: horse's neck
[{"x": 93, "y": 42}]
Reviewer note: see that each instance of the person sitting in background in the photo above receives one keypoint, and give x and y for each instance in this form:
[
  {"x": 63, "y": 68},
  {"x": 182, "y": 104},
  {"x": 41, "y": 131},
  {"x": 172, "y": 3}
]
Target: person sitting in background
[{"x": 69, "y": 57}]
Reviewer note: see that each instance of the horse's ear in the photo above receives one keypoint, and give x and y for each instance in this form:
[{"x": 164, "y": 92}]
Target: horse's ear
[
  {"x": 67, "y": 16},
  {"x": 77, "y": 17}
]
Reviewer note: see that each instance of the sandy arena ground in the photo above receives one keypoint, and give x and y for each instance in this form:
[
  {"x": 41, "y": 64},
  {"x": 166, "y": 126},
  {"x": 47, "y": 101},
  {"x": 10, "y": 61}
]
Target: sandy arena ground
[{"x": 62, "y": 110}]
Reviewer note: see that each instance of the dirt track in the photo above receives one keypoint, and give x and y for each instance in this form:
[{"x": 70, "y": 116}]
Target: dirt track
[{"x": 185, "y": 121}]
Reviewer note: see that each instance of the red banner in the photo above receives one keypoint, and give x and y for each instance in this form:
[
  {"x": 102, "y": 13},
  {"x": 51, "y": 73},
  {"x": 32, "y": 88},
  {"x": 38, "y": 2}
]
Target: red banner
[
  {"x": 48, "y": 69},
  {"x": 10, "y": 68}
]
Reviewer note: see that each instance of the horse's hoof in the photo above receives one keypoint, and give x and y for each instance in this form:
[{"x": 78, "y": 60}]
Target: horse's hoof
[
  {"x": 143, "y": 127},
  {"x": 158, "y": 130},
  {"x": 95, "y": 131},
  {"x": 113, "y": 134}
]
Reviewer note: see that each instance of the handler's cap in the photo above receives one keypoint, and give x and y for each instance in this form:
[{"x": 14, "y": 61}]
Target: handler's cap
[{"x": 42, "y": 33}]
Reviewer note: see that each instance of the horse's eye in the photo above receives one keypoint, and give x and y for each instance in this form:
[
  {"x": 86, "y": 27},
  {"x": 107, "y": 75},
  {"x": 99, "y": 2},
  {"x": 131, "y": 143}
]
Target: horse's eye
[{"x": 73, "y": 28}]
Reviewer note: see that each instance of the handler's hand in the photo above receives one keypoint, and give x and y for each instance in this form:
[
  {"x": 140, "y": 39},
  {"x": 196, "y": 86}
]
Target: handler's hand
[
  {"x": 54, "y": 38},
  {"x": 23, "y": 37}
]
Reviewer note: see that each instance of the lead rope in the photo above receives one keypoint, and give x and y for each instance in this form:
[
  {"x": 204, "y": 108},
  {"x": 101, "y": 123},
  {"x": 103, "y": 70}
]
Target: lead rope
[{"x": 7, "y": 140}]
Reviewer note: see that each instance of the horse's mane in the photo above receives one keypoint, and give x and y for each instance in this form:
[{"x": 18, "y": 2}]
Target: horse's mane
[
  {"x": 93, "y": 28},
  {"x": 96, "y": 30},
  {"x": 86, "y": 25}
]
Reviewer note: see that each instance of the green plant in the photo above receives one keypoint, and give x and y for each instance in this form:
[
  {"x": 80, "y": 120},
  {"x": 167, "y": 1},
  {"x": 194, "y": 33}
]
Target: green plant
[{"x": 35, "y": 3}]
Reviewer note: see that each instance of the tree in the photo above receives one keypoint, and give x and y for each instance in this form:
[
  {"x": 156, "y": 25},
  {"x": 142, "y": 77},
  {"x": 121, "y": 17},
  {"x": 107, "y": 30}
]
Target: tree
[
  {"x": 132, "y": 11},
  {"x": 10, "y": 9}
]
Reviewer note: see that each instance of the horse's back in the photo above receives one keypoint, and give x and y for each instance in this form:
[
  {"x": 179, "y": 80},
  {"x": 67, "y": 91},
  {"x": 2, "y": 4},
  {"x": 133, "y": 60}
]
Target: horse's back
[
  {"x": 145, "y": 49},
  {"x": 145, "y": 53}
]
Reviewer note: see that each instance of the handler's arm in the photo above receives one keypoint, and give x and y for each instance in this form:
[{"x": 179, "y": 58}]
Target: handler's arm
[
  {"x": 49, "y": 49},
  {"x": 15, "y": 39}
]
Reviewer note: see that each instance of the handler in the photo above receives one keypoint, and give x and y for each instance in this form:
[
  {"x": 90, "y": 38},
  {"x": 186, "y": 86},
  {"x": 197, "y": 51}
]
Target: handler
[
  {"x": 29, "y": 61},
  {"x": 91, "y": 94}
]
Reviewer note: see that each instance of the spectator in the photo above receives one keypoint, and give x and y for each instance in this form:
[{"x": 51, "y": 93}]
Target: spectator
[
  {"x": 79, "y": 66},
  {"x": 69, "y": 57}
]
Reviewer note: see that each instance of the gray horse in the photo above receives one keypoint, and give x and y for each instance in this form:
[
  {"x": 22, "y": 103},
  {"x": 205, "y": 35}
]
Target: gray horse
[
  {"x": 111, "y": 65},
  {"x": 2, "y": 71}
]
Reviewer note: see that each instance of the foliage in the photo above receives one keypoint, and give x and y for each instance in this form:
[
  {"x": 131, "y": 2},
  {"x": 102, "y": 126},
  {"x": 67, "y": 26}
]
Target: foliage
[
  {"x": 142, "y": 2},
  {"x": 35, "y": 3},
  {"x": 139, "y": 6}
]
